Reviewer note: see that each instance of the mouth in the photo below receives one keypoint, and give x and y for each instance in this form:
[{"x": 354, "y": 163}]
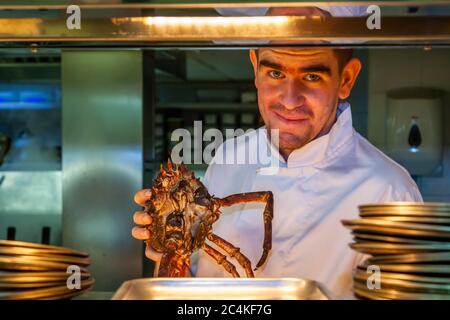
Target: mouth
[{"x": 290, "y": 120}]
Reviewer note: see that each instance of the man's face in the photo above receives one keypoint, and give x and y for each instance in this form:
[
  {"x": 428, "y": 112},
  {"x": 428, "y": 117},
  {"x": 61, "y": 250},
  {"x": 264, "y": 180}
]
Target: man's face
[{"x": 298, "y": 92}]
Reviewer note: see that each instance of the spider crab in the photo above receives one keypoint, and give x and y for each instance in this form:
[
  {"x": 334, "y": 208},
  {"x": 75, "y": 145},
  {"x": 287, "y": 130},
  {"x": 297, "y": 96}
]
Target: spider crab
[{"x": 183, "y": 213}]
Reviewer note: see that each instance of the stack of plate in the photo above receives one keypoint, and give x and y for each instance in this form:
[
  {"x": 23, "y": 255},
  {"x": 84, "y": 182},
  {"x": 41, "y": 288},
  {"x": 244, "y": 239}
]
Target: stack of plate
[
  {"x": 38, "y": 271},
  {"x": 409, "y": 243}
]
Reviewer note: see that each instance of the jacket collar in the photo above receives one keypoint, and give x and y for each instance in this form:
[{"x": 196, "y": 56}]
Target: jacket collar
[{"x": 321, "y": 148}]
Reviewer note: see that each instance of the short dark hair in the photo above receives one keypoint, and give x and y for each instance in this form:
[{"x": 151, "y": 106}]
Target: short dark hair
[{"x": 343, "y": 56}]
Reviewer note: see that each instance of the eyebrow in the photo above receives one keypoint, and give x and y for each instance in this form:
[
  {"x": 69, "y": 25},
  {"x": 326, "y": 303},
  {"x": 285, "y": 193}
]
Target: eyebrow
[{"x": 319, "y": 68}]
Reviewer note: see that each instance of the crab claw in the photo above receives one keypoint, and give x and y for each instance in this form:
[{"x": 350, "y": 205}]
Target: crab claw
[
  {"x": 162, "y": 170},
  {"x": 262, "y": 259}
]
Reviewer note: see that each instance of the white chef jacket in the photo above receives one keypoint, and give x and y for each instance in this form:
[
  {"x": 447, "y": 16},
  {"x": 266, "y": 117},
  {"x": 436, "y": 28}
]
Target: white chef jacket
[{"x": 321, "y": 184}]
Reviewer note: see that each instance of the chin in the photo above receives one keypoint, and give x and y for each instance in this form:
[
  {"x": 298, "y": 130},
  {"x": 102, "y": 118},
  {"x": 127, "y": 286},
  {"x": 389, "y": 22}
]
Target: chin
[{"x": 292, "y": 142}]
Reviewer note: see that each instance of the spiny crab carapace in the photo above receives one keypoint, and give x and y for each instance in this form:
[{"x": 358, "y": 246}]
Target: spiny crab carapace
[{"x": 183, "y": 213}]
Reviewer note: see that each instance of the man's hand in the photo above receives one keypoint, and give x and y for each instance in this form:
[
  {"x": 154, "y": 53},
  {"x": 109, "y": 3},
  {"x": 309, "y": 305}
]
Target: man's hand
[{"x": 144, "y": 220}]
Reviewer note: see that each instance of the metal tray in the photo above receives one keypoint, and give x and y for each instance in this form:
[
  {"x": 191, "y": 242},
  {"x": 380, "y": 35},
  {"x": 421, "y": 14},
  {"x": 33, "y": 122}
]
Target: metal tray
[
  {"x": 45, "y": 293},
  {"x": 362, "y": 237},
  {"x": 412, "y": 258},
  {"x": 361, "y": 272},
  {"x": 11, "y": 250},
  {"x": 425, "y": 269},
  {"x": 45, "y": 248},
  {"x": 84, "y": 262},
  {"x": 376, "y": 222},
  {"x": 361, "y": 290},
  {"x": 407, "y": 286},
  {"x": 408, "y": 205},
  {"x": 416, "y": 219},
  {"x": 221, "y": 289},
  {"x": 397, "y": 232},
  {"x": 31, "y": 285},
  {"x": 379, "y": 248},
  {"x": 404, "y": 213},
  {"x": 36, "y": 277},
  {"x": 26, "y": 264}
]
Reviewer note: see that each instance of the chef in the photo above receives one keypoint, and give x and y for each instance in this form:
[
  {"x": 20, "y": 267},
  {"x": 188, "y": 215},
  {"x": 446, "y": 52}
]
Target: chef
[{"x": 320, "y": 169}]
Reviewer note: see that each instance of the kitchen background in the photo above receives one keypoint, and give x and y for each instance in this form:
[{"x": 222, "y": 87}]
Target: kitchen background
[{"x": 84, "y": 125}]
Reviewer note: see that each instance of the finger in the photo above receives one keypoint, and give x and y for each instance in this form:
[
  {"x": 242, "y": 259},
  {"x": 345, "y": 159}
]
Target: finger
[
  {"x": 140, "y": 233},
  {"x": 152, "y": 254},
  {"x": 142, "y": 218},
  {"x": 142, "y": 196}
]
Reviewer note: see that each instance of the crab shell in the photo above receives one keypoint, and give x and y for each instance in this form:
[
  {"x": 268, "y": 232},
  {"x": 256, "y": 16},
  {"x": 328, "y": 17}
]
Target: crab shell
[{"x": 182, "y": 210}]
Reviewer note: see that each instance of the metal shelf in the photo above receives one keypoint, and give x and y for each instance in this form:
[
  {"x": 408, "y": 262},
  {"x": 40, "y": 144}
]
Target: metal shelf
[
  {"x": 229, "y": 106},
  {"x": 140, "y": 25}
]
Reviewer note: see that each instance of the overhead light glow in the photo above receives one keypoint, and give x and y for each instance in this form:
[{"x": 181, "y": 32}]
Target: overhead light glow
[{"x": 213, "y": 21}]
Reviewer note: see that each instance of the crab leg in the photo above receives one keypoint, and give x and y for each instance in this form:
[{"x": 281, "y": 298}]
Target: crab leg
[
  {"x": 233, "y": 252},
  {"x": 221, "y": 259},
  {"x": 173, "y": 265},
  {"x": 262, "y": 196}
]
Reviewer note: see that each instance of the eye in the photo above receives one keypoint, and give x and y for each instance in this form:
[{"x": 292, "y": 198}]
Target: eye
[
  {"x": 275, "y": 74},
  {"x": 312, "y": 77}
]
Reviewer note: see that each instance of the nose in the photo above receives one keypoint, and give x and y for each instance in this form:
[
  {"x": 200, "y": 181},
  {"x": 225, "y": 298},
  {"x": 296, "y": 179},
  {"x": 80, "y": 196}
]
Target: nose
[{"x": 292, "y": 94}]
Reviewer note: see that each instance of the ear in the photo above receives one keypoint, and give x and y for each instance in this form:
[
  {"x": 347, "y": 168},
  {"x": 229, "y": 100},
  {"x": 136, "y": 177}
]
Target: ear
[
  {"x": 254, "y": 61},
  {"x": 348, "y": 77}
]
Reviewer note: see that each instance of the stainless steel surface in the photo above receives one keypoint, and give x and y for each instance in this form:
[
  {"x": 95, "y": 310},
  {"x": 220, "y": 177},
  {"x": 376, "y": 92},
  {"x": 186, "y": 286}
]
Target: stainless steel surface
[
  {"x": 31, "y": 192},
  {"x": 103, "y": 160},
  {"x": 30, "y": 201},
  {"x": 220, "y": 289}
]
